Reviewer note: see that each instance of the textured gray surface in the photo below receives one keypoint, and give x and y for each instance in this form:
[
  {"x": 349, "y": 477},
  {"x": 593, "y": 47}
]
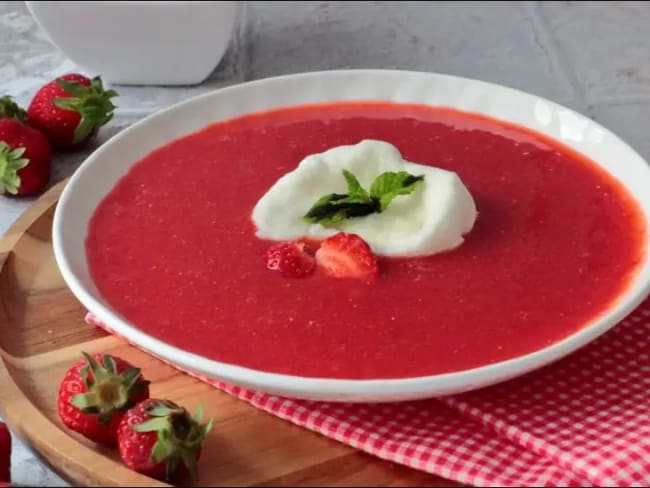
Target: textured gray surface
[{"x": 593, "y": 57}]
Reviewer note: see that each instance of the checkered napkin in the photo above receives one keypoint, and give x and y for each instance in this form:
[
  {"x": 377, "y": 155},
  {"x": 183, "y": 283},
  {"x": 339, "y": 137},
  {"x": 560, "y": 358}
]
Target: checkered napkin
[{"x": 579, "y": 422}]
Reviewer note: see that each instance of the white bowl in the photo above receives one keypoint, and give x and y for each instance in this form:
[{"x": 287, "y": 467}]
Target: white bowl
[
  {"x": 139, "y": 42},
  {"x": 97, "y": 175}
]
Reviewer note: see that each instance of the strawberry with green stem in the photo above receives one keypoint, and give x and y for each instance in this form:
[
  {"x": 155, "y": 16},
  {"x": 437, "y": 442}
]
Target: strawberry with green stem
[
  {"x": 96, "y": 393},
  {"x": 162, "y": 440},
  {"x": 25, "y": 159},
  {"x": 71, "y": 109}
]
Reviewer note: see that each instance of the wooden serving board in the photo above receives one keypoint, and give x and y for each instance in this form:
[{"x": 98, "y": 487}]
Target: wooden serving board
[{"x": 42, "y": 332}]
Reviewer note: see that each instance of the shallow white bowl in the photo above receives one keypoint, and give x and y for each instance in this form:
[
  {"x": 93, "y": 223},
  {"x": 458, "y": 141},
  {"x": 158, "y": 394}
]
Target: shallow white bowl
[
  {"x": 140, "y": 42},
  {"x": 97, "y": 175}
]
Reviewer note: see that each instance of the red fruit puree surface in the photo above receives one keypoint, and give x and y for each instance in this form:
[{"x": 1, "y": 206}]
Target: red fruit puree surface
[{"x": 172, "y": 248}]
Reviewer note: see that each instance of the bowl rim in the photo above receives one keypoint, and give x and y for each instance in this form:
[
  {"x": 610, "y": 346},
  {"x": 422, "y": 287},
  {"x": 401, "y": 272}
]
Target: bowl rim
[{"x": 336, "y": 389}]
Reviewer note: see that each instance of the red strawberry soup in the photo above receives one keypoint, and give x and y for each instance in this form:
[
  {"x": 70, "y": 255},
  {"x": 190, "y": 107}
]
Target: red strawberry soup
[{"x": 173, "y": 249}]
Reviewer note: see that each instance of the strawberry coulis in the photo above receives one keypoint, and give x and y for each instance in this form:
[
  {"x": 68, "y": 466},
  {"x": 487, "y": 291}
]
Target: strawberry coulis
[{"x": 172, "y": 248}]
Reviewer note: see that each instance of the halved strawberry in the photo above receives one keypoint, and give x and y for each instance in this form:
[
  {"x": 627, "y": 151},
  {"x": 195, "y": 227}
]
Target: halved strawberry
[
  {"x": 291, "y": 259},
  {"x": 347, "y": 256}
]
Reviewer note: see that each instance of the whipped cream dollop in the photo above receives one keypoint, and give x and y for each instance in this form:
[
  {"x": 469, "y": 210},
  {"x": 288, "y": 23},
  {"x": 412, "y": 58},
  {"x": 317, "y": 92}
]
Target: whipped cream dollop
[{"x": 432, "y": 219}]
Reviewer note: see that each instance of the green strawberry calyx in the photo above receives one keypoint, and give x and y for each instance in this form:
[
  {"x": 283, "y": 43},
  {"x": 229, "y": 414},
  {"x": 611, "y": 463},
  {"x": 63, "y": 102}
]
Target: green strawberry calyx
[
  {"x": 107, "y": 390},
  {"x": 11, "y": 162},
  {"x": 93, "y": 104},
  {"x": 179, "y": 435},
  {"x": 11, "y": 110}
]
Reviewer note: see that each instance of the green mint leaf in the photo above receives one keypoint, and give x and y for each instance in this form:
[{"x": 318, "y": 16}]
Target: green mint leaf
[
  {"x": 324, "y": 207},
  {"x": 389, "y": 185},
  {"x": 355, "y": 190},
  {"x": 334, "y": 208}
]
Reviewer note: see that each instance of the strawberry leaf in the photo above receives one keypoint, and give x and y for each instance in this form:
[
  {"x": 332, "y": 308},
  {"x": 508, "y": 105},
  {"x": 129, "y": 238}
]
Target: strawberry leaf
[
  {"x": 11, "y": 162},
  {"x": 82, "y": 402},
  {"x": 94, "y": 367},
  {"x": 189, "y": 460},
  {"x": 161, "y": 451},
  {"x": 72, "y": 87},
  {"x": 109, "y": 364},
  {"x": 11, "y": 110},
  {"x": 107, "y": 391},
  {"x": 152, "y": 425},
  {"x": 178, "y": 435},
  {"x": 172, "y": 465},
  {"x": 198, "y": 415},
  {"x": 204, "y": 431},
  {"x": 66, "y": 103},
  {"x": 16, "y": 153},
  {"x": 161, "y": 409},
  {"x": 84, "y": 376},
  {"x": 92, "y": 103}
]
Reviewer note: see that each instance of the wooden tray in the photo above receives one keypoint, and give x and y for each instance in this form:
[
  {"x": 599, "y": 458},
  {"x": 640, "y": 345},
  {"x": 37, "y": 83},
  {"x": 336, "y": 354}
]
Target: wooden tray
[{"x": 42, "y": 332}]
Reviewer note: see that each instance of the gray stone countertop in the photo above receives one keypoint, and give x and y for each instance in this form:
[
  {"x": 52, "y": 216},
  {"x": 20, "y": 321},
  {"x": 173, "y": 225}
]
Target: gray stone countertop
[{"x": 593, "y": 57}]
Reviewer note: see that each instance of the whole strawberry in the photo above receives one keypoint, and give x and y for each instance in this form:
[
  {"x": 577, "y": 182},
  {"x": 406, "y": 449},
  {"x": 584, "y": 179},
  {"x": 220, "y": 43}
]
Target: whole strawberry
[
  {"x": 25, "y": 159},
  {"x": 160, "y": 439},
  {"x": 5, "y": 453},
  {"x": 71, "y": 109},
  {"x": 96, "y": 393}
]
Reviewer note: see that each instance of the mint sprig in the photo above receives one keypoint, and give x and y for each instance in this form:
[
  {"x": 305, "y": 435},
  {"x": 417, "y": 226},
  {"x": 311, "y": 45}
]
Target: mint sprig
[{"x": 334, "y": 208}]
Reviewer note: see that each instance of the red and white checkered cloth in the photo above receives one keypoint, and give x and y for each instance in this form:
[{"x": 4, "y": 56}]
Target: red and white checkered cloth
[{"x": 580, "y": 422}]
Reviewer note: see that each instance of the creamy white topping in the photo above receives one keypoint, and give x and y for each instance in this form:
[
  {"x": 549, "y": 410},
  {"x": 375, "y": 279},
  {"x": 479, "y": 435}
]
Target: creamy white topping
[{"x": 432, "y": 219}]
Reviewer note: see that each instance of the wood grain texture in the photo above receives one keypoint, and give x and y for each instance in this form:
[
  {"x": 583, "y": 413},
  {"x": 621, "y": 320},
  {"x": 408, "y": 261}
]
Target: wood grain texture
[{"x": 42, "y": 332}]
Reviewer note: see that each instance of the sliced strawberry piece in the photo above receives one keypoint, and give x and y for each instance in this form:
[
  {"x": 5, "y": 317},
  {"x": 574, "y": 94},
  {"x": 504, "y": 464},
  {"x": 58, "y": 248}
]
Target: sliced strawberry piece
[
  {"x": 347, "y": 256},
  {"x": 291, "y": 259}
]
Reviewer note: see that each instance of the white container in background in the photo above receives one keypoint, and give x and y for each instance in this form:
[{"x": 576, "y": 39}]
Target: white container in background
[{"x": 141, "y": 42}]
